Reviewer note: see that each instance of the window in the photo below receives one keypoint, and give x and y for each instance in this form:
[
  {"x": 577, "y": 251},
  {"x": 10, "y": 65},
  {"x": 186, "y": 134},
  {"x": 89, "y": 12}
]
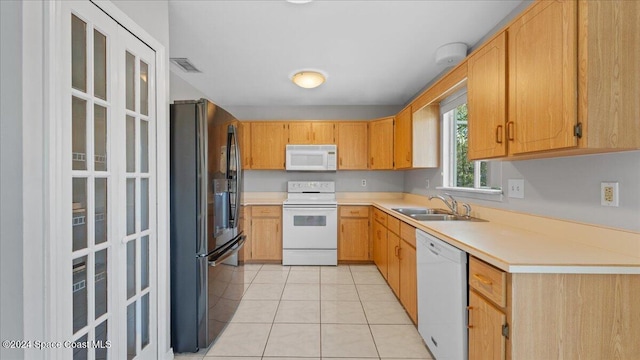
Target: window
[{"x": 458, "y": 171}]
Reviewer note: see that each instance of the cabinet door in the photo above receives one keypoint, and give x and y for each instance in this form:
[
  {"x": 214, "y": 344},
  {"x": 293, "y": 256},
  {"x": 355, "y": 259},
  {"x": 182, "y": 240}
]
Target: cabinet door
[
  {"x": 409, "y": 280},
  {"x": 380, "y": 247},
  {"x": 487, "y": 100},
  {"x": 543, "y": 78},
  {"x": 393, "y": 262},
  {"x": 245, "y": 226},
  {"x": 403, "y": 139},
  {"x": 268, "y": 141},
  {"x": 381, "y": 144},
  {"x": 245, "y": 143},
  {"x": 323, "y": 133},
  {"x": 485, "y": 330},
  {"x": 266, "y": 239},
  {"x": 300, "y": 133},
  {"x": 353, "y": 242},
  {"x": 352, "y": 139}
]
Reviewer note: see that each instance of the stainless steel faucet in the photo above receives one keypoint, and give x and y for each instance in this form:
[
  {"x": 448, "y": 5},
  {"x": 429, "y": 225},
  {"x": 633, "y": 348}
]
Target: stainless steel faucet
[{"x": 452, "y": 204}]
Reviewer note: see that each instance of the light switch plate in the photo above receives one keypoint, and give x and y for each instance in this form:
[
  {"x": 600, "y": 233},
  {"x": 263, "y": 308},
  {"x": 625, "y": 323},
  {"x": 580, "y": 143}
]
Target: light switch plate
[
  {"x": 609, "y": 194},
  {"x": 516, "y": 188}
]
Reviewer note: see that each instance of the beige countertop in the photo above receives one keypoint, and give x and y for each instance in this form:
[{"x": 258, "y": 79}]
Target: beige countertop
[{"x": 513, "y": 242}]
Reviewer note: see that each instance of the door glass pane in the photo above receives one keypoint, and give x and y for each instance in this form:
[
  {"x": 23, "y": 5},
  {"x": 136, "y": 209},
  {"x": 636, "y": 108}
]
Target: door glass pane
[
  {"x": 131, "y": 144},
  {"x": 80, "y": 353},
  {"x": 144, "y": 262},
  {"x": 131, "y": 206},
  {"x": 101, "y": 211},
  {"x": 131, "y": 268},
  {"x": 131, "y": 330},
  {"x": 144, "y": 88},
  {"x": 79, "y": 209},
  {"x": 101, "y": 338},
  {"x": 313, "y": 220},
  {"x": 79, "y": 133},
  {"x": 79, "y": 268},
  {"x": 144, "y": 204},
  {"x": 144, "y": 319},
  {"x": 130, "y": 80},
  {"x": 101, "y": 283},
  {"x": 78, "y": 54},
  {"x": 100, "y": 137},
  {"x": 99, "y": 65},
  {"x": 144, "y": 146}
]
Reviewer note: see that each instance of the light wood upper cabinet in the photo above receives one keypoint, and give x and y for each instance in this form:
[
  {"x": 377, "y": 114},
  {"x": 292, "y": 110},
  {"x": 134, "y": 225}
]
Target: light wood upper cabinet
[
  {"x": 268, "y": 141},
  {"x": 352, "y": 139},
  {"x": 245, "y": 143},
  {"x": 609, "y": 74},
  {"x": 311, "y": 132},
  {"x": 543, "y": 78},
  {"x": 381, "y": 144},
  {"x": 403, "y": 139},
  {"x": 426, "y": 137},
  {"x": 487, "y": 100}
]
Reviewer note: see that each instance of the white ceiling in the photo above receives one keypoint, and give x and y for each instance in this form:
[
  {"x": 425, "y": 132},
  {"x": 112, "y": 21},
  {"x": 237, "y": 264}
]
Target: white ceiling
[{"x": 374, "y": 52}]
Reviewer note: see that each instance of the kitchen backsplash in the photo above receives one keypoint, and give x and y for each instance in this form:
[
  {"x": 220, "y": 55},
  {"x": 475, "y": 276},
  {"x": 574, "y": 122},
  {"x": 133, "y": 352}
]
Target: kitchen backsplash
[
  {"x": 566, "y": 188},
  {"x": 351, "y": 181}
]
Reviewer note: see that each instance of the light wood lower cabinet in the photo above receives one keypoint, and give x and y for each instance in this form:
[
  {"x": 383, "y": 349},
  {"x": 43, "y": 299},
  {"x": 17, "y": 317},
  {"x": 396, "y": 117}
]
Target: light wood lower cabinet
[
  {"x": 353, "y": 239},
  {"x": 266, "y": 233},
  {"x": 485, "y": 330},
  {"x": 393, "y": 262},
  {"x": 380, "y": 244},
  {"x": 408, "y": 271}
]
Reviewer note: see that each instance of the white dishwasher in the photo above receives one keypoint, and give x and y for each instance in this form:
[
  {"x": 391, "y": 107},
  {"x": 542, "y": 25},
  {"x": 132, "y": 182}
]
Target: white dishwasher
[{"x": 442, "y": 297}]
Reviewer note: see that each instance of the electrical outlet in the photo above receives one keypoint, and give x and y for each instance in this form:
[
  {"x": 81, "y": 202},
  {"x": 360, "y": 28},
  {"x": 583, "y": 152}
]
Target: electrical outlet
[
  {"x": 609, "y": 194},
  {"x": 516, "y": 188},
  {"x": 364, "y": 182},
  {"x": 427, "y": 183}
]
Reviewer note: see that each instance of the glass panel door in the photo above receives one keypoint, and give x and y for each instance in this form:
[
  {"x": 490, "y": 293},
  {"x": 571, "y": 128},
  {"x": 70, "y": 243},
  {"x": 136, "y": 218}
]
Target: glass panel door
[
  {"x": 138, "y": 215},
  {"x": 91, "y": 242}
]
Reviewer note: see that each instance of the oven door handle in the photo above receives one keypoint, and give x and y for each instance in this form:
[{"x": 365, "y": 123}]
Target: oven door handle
[{"x": 326, "y": 209}]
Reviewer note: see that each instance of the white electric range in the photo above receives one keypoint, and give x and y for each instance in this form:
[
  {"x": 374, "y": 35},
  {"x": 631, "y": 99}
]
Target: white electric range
[{"x": 310, "y": 224}]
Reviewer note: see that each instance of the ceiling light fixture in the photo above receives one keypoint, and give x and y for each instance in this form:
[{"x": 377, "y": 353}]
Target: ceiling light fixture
[
  {"x": 299, "y": 1},
  {"x": 451, "y": 54},
  {"x": 308, "y": 79}
]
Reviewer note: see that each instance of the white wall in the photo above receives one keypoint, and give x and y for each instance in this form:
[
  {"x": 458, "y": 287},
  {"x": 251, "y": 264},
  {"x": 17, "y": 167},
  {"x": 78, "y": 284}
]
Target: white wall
[
  {"x": 182, "y": 90},
  {"x": 567, "y": 187},
  {"x": 11, "y": 249}
]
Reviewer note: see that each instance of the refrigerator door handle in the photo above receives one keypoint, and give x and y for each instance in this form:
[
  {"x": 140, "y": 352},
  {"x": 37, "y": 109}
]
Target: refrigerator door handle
[
  {"x": 230, "y": 250},
  {"x": 202, "y": 176},
  {"x": 232, "y": 143}
]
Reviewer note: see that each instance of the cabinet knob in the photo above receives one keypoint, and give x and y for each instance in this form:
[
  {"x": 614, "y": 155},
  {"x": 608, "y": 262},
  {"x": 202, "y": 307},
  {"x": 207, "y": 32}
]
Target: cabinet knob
[
  {"x": 499, "y": 134},
  {"x": 483, "y": 279},
  {"x": 469, "y": 326}
]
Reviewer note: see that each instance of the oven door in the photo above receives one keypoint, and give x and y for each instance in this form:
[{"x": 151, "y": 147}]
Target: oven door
[{"x": 309, "y": 227}]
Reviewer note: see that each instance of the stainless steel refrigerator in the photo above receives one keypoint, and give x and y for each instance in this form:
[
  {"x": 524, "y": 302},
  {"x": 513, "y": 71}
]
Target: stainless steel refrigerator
[{"x": 206, "y": 265}]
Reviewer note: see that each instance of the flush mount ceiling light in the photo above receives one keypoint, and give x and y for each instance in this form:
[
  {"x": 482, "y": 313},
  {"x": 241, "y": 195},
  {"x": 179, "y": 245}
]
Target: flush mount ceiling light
[
  {"x": 451, "y": 54},
  {"x": 299, "y": 1},
  {"x": 308, "y": 79}
]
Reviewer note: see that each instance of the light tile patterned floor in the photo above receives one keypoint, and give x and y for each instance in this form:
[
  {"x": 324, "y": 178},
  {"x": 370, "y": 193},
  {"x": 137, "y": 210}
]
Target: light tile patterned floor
[{"x": 346, "y": 312}]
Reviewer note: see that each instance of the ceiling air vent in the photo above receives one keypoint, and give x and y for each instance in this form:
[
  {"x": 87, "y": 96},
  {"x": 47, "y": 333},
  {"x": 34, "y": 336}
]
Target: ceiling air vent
[{"x": 185, "y": 65}]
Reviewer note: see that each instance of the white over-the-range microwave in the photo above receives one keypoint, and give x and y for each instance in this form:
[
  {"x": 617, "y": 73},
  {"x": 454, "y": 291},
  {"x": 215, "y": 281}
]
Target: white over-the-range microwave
[{"x": 311, "y": 157}]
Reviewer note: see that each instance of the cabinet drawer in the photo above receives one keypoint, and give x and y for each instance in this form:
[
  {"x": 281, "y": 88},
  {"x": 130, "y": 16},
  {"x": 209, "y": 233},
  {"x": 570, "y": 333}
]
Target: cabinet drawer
[
  {"x": 354, "y": 211},
  {"x": 393, "y": 225},
  {"x": 408, "y": 233},
  {"x": 380, "y": 216},
  {"x": 488, "y": 281},
  {"x": 266, "y": 211}
]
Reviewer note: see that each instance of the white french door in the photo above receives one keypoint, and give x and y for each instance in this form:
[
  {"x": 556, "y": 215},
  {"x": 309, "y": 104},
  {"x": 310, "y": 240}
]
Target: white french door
[{"x": 107, "y": 257}]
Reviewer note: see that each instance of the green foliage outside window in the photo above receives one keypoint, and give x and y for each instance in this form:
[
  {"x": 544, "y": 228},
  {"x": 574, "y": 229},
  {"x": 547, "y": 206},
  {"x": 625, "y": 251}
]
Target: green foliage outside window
[{"x": 464, "y": 172}]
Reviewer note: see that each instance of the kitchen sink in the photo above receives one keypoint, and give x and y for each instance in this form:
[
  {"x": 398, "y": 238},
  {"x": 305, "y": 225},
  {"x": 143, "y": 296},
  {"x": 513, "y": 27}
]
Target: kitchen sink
[
  {"x": 443, "y": 217},
  {"x": 419, "y": 211}
]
